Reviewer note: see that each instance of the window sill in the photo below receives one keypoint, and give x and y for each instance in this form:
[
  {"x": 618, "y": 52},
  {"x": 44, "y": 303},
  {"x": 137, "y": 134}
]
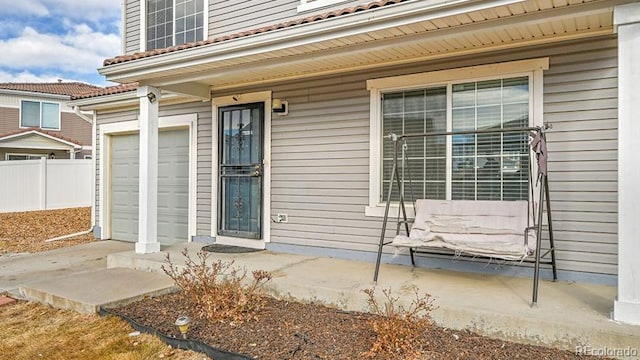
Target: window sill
[
  {"x": 317, "y": 4},
  {"x": 378, "y": 211}
]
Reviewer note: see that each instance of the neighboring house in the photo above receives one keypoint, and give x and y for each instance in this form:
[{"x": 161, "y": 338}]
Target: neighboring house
[
  {"x": 35, "y": 121},
  {"x": 197, "y": 151}
]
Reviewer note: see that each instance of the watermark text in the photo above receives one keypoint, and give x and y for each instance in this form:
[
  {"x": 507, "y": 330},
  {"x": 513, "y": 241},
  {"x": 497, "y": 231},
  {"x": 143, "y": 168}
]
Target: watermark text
[{"x": 607, "y": 351}]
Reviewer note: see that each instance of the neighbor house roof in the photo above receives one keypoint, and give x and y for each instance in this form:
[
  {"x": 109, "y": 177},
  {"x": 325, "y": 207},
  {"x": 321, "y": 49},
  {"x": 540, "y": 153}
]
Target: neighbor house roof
[
  {"x": 50, "y": 134},
  {"x": 287, "y": 24},
  {"x": 57, "y": 88},
  {"x": 109, "y": 90}
]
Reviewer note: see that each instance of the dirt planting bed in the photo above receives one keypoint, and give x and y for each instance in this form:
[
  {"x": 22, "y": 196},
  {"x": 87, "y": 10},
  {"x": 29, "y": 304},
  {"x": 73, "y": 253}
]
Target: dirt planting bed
[{"x": 294, "y": 330}]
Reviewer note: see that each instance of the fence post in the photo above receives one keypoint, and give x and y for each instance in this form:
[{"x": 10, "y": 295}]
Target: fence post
[{"x": 43, "y": 183}]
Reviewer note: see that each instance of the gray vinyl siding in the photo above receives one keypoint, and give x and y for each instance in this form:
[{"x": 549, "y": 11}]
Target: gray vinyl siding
[
  {"x": 131, "y": 33},
  {"x": 235, "y": 16},
  {"x": 320, "y": 154},
  {"x": 203, "y": 180}
]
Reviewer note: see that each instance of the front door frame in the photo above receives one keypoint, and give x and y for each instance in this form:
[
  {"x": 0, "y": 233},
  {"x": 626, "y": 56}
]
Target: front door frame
[{"x": 240, "y": 99}]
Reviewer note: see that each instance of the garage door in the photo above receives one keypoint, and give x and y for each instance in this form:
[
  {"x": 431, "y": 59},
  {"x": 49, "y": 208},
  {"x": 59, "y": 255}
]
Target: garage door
[{"x": 173, "y": 186}]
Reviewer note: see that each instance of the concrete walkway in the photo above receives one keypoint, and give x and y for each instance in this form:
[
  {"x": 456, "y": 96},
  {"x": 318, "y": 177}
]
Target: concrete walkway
[
  {"x": 24, "y": 269},
  {"x": 77, "y": 277},
  {"x": 568, "y": 315}
]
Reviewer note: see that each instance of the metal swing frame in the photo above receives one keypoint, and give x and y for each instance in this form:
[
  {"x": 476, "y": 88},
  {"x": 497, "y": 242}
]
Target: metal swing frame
[{"x": 543, "y": 197}]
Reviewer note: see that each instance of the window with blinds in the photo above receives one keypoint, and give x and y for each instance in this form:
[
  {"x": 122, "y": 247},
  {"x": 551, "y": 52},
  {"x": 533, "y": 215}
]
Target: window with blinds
[{"x": 459, "y": 167}]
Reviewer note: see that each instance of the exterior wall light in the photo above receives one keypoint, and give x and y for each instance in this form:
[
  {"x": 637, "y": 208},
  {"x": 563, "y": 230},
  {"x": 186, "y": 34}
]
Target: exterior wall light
[
  {"x": 280, "y": 107},
  {"x": 152, "y": 97},
  {"x": 183, "y": 325}
]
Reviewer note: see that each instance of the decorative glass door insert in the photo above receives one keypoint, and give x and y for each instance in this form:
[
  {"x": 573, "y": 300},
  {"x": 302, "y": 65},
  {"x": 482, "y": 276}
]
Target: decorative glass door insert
[{"x": 240, "y": 168}]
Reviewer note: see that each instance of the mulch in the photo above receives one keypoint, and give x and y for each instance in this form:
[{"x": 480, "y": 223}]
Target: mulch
[
  {"x": 22, "y": 232},
  {"x": 286, "y": 329}
]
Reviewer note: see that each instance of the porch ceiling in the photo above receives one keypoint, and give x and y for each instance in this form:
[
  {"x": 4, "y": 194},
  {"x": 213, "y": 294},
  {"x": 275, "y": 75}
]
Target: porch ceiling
[{"x": 338, "y": 47}]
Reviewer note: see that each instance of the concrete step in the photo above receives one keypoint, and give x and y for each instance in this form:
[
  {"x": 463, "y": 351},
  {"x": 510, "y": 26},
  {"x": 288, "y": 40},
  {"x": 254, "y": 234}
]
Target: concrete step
[{"x": 87, "y": 292}]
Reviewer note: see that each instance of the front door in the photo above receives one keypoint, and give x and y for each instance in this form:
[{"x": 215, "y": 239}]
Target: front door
[{"x": 240, "y": 165}]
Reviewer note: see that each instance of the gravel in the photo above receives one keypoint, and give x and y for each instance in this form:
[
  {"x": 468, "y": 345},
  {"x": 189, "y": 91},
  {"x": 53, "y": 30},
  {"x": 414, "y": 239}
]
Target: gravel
[{"x": 22, "y": 232}]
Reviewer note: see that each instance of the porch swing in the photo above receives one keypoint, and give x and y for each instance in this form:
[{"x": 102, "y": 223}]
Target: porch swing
[{"x": 507, "y": 230}]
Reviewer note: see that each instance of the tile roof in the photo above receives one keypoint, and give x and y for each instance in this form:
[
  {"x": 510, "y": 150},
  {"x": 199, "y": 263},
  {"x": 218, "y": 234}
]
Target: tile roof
[
  {"x": 110, "y": 90},
  {"x": 57, "y": 88},
  {"x": 288, "y": 24},
  {"x": 46, "y": 132}
]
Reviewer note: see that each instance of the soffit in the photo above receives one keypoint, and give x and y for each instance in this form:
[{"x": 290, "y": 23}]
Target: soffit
[{"x": 502, "y": 27}]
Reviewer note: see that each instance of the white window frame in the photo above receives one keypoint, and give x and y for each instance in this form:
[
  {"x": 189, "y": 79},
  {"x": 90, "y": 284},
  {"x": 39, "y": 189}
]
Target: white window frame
[
  {"x": 533, "y": 68},
  {"x": 59, "y": 120},
  {"x": 143, "y": 23},
  {"x": 28, "y": 156}
]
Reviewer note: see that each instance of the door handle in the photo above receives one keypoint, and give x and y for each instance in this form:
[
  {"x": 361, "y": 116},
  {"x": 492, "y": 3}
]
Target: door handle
[{"x": 257, "y": 171}]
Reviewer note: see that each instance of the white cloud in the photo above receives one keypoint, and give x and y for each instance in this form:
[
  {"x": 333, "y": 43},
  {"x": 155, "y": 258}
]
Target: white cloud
[
  {"x": 85, "y": 10},
  {"x": 24, "y": 7},
  {"x": 27, "y": 77},
  {"x": 80, "y": 50}
]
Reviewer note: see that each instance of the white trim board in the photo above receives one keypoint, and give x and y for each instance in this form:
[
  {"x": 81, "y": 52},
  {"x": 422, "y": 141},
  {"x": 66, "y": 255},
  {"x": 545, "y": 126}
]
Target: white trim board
[
  {"x": 189, "y": 121},
  {"x": 247, "y": 98}
]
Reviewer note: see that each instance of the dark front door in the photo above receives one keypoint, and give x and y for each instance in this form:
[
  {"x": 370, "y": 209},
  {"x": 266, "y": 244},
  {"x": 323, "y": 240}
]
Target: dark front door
[{"x": 240, "y": 162}]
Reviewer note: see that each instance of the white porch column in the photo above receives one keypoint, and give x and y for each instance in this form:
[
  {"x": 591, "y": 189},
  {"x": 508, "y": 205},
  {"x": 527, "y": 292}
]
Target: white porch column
[
  {"x": 148, "y": 183},
  {"x": 627, "y": 305}
]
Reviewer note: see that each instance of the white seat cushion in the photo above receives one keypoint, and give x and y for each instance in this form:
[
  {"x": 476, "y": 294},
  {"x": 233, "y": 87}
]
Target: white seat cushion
[{"x": 486, "y": 228}]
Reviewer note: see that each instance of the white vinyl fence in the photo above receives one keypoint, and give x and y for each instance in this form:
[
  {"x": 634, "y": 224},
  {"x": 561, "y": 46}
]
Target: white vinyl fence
[{"x": 28, "y": 185}]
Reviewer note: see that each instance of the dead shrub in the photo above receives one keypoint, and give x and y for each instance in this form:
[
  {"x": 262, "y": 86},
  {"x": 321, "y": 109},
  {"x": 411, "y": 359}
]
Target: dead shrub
[
  {"x": 218, "y": 290},
  {"x": 397, "y": 329}
]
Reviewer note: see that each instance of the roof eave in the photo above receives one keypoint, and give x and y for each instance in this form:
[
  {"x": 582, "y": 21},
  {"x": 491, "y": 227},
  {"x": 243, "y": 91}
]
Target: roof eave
[
  {"x": 123, "y": 100},
  {"x": 303, "y": 34},
  {"x": 36, "y": 132}
]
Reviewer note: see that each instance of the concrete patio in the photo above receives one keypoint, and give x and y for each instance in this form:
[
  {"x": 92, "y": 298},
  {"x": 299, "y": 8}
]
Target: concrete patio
[{"x": 573, "y": 316}]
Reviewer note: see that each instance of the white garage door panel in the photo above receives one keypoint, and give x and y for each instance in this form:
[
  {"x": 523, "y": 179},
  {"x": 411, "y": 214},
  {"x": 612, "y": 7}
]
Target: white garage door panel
[
  {"x": 124, "y": 189},
  {"x": 173, "y": 186}
]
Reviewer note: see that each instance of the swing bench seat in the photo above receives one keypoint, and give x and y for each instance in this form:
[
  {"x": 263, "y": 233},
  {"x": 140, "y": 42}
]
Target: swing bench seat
[{"x": 495, "y": 229}]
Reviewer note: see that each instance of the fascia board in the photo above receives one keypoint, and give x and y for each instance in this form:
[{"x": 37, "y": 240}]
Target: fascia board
[
  {"x": 115, "y": 99},
  {"x": 331, "y": 28},
  {"x": 123, "y": 100},
  {"x": 34, "y": 94},
  {"x": 35, "y": 132}
]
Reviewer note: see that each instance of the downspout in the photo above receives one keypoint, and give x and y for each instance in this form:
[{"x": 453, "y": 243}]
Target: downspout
[
  {"x": 70, "y": 235},
  {"x": 91, "y": 121}
]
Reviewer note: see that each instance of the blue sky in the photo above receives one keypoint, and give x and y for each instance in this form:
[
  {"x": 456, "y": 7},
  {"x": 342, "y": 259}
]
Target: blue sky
[{"x": 46, "y": 40}]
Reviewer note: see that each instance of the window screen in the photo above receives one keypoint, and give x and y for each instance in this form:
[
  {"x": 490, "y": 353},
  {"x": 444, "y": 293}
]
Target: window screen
[{"x": 482, "y": 166}]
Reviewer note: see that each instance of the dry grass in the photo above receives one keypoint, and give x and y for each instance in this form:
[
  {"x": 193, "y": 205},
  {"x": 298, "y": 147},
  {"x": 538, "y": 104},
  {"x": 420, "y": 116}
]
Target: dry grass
[
  {"x": 27, "y": 231},
  {"x": 34, "y": 331}
]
